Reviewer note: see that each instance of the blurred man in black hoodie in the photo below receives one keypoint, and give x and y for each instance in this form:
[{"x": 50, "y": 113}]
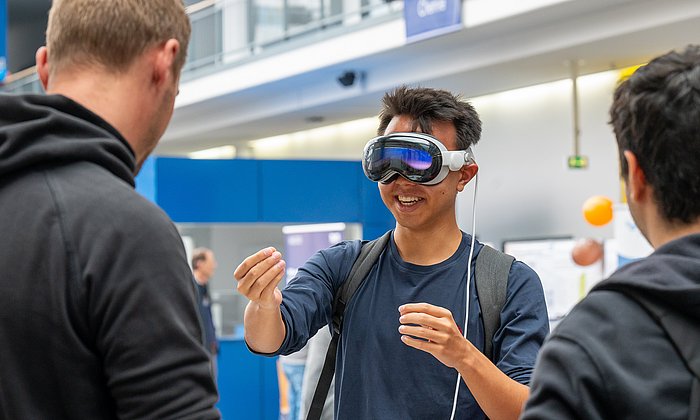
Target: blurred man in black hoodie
[
  {"x": 631, "y": 348},
  {"x": 98, "y": 318}
]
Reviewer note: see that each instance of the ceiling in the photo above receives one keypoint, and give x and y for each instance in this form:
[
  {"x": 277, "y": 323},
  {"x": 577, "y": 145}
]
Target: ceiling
[{"x": 527, "y": 49}]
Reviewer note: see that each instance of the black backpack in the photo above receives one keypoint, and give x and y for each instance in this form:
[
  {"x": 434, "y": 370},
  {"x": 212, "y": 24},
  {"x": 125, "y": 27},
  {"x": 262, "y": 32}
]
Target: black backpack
[{"x": 491, "y": 274}]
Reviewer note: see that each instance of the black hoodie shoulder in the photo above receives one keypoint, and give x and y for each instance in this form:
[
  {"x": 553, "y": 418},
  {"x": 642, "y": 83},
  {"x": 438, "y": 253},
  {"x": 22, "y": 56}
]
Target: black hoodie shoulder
[
  {"x": 51, "y": 130},
  {"x": 98, "y": 316}
]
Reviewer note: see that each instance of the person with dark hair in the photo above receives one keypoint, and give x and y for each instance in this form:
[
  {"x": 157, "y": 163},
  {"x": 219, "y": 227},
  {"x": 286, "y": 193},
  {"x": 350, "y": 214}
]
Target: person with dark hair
[
  {"x": 402, "y": 353},
  {"x": 630, "y": 348},
  {"x": 203, "y": 266},
  {"x": 98, "y": 318}
]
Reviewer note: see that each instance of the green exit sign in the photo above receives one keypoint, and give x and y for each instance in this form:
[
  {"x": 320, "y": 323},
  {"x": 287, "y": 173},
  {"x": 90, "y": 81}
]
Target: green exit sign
[{"x": 578, "y": 162}]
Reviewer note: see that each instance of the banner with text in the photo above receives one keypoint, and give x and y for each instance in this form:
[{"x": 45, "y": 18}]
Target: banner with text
[{"x": 429, "y": 18}]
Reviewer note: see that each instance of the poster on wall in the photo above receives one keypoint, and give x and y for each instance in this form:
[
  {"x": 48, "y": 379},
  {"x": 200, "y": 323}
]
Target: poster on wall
[
  {"x": 3, "y": 40},
  {"x": 302, "y": 241},
  {"x": 564, "y": 282}
]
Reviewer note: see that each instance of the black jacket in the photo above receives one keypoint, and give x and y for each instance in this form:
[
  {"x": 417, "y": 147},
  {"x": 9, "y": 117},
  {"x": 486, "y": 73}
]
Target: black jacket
[
  {"x": 629, "y": 349},
  {"x": 98, "y": 318}
]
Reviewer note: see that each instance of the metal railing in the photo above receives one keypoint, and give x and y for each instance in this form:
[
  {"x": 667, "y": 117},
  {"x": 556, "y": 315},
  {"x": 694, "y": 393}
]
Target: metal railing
[
  {"x": 226, "y": 33},
  {"x": 25, "y": 81}
]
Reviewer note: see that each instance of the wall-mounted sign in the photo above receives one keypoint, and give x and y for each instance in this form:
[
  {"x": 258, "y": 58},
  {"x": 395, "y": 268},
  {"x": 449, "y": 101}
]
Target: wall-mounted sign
[{"x": 429, "y": 18}]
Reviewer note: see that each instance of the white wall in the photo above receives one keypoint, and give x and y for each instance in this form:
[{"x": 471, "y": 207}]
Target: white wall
[
  {"x": 525, "y": 188},
  {"x": 340, "y": 141}
]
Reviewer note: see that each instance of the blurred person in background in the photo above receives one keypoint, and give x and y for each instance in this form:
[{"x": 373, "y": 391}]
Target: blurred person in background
[{"x": 203, "y": 267}]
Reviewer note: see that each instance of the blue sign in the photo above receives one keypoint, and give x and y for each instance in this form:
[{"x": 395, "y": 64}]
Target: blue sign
[
  {"x": 429, "y": 18},
  {"x": 3, "y": 40}
]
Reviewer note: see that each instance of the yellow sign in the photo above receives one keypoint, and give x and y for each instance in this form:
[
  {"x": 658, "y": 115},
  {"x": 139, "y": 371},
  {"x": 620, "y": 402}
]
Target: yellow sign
[{"x": 627, "y": 72}]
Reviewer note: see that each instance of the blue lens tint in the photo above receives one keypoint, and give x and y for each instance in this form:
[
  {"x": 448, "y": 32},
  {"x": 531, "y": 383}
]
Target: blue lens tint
[{"x": 416, "y": 159}]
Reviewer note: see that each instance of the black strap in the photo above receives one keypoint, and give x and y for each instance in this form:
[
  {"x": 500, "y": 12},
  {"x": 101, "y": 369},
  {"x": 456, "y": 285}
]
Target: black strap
[
  {"x": 324, "y": 381},
  {"x": 491, "y": 276},
  {"x": 369, "y": 254}
]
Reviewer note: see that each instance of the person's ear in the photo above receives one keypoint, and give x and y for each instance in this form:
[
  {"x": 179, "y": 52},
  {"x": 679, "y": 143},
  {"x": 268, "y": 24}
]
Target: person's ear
[
  {"x": 42, "y": 66},
  {"x": 467, "y": 172},
  {"x": 637, "y": 186},
  {"x": 164, "y": 59}
]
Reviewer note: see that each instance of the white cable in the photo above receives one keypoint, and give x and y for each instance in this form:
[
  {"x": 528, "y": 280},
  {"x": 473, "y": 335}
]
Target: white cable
[{"x": 469, "y": 278}]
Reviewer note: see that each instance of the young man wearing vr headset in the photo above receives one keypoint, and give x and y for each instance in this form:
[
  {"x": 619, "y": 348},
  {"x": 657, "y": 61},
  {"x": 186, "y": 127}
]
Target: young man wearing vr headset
[{"x": 402, "y": 346}]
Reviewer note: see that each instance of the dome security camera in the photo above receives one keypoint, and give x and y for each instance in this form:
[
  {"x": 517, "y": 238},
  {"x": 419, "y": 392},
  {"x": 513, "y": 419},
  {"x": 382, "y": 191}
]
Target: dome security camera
[{"x": 347, "y": 79}]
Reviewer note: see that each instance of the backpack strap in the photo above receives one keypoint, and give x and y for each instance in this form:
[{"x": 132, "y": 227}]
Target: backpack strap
[
  {"x": 491, "y": 276},
  {"x": 369, "y": 254}
]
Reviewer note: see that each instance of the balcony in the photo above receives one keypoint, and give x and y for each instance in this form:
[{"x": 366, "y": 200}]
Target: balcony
[{"x": 226, "y": 33}]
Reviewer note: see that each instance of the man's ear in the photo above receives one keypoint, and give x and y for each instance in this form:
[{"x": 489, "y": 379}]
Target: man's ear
[
  {"x": 637, "y": 187},
  {"x": 467, "y": 172},
  {"x": 164, "y": 60},
  {"x": 42, "y": 66}
]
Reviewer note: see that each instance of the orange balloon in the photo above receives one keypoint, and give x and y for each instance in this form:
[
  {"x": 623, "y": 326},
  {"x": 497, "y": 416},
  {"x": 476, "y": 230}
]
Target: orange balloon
[
  {"x": 597, "y": 210},
  {"x": 587, "y": 251}
]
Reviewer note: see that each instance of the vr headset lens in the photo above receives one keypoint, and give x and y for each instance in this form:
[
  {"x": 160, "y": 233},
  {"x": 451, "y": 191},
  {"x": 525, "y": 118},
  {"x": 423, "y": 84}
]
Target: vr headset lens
[{"x": 416, "y": 159}]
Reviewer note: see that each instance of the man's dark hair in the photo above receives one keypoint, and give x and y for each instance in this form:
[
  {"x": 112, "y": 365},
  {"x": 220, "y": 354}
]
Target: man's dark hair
[
  {"x": 426, "y": 105},
  {"x": 199, "y": 255},
  {"x": 656, "y": 116}
]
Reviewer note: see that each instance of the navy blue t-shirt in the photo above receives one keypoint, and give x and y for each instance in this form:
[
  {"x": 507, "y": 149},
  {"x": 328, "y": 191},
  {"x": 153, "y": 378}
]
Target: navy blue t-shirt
[{"x": 377, "y": 375}]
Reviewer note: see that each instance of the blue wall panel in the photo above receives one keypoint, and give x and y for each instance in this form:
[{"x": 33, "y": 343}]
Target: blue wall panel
[
  {"x": 248, "y": 388},
  {"x": 310, "y": 191},
  {"x": 146, "y": 179},
  {"x": 264, "y": 191},
  {"x": 208, "y": 191}
]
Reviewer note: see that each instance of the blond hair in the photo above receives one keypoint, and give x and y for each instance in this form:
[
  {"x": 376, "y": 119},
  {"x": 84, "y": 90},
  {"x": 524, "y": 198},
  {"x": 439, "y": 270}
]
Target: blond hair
[{"x": 112, "y": 33}]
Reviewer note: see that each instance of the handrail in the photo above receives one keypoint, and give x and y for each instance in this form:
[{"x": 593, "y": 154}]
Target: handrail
[
  {"x": 12, "y": 77},
  {"x": 196, "y": 7}
]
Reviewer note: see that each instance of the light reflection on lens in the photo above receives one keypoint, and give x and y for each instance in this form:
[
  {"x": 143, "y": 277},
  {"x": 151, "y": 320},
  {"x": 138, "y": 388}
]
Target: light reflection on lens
[{"x": 416, "y": 159}]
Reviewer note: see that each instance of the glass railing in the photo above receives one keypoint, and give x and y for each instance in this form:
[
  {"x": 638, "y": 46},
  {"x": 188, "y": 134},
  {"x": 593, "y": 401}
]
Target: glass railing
[
  {"x": 226, "y": 33},
  {"x": 26, "y": 81}
]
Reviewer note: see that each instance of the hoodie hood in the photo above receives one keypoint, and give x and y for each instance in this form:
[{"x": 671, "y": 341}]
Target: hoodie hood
[
  {"x": 52, "y": 130},
  {"x": 670, "y": 276},
  {"x": 667, "y": 284}
]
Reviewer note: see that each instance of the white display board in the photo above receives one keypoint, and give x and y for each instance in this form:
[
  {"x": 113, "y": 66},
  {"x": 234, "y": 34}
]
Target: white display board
[{"x": 565, "y": 283}]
